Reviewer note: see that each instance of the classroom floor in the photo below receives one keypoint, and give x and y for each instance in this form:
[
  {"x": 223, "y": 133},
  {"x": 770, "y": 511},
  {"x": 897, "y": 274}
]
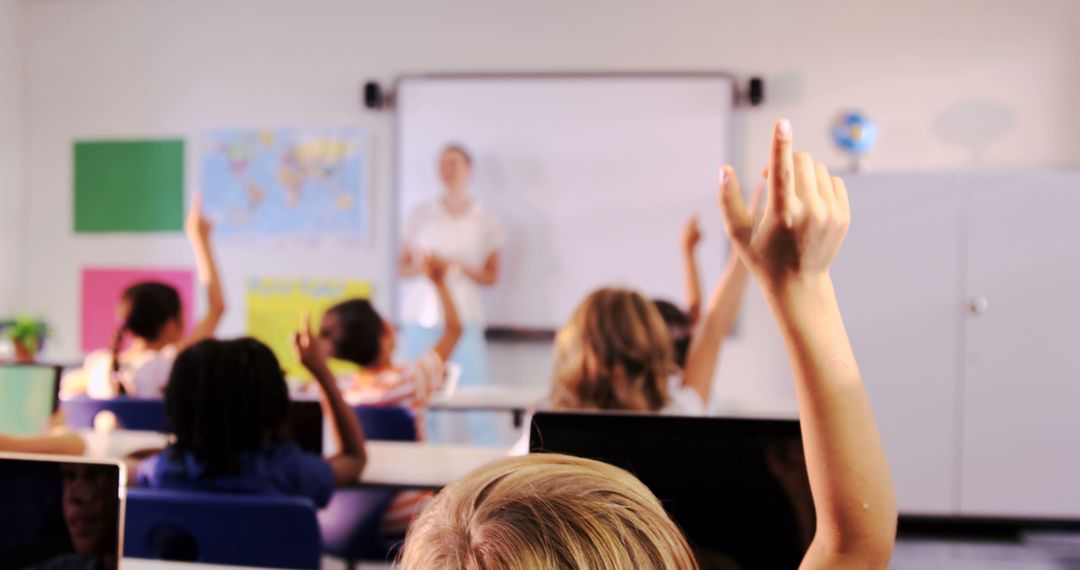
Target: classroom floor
[
  {"x": 1042, "y": 551},
  {"x": 1036, "y": 552}
]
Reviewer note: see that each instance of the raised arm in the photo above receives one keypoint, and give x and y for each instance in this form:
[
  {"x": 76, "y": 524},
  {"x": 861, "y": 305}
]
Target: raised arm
[
  {"x": 348, "y": 436},
  {"x": 789, "y": 251},
  {"x": 691, "y": 236},
  {"x": 720, "y": 316},
  {"x": 199, "y": 230},
  {"x": 59, "y": 442},
  {"x": 435, "y": 269}
]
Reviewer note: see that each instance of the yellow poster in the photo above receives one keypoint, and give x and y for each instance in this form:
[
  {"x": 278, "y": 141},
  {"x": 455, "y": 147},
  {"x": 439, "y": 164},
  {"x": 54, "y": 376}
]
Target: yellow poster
[{"x": 274, "y": 308}]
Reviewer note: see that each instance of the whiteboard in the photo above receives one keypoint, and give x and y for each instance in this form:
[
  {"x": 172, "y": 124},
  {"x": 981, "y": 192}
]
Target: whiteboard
[{"x": 592, "y": 177}]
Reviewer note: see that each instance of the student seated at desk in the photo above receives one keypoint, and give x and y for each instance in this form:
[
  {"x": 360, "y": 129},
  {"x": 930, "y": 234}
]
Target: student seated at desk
[
  {"x": 227, "y": 404},
  {"x": 616, "y": 353},
  {"x": 353, "y": 331},
  {"x": 153, "y": 316},
  {"x": 544, "y": 513}
]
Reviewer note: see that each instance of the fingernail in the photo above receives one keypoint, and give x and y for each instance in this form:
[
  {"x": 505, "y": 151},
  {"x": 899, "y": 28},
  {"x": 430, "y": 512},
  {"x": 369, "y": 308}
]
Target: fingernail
[
  {"x": 784, "y": 128},
  {"x": 723, "y": 175}
]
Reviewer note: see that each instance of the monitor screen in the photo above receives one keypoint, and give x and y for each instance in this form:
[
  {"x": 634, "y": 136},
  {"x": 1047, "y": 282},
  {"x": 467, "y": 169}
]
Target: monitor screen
[
  {"x": 305, "y": 425},
  {"x": 28, "y": 397},
  {"x": 737, "y": 487},
  {"x": 60, "y": 513}
]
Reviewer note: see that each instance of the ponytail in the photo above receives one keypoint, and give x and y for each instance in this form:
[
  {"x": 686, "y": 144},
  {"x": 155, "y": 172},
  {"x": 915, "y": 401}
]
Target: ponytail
[
  {"x": 147, "y": 307},
  {"x": 118, "y": 340}
]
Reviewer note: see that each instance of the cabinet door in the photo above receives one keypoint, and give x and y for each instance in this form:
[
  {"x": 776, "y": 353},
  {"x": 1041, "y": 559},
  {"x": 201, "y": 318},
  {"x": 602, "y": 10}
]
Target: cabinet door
[
  {"x": 1021, "y": 413},
  {"x": 898, "y": 283}
]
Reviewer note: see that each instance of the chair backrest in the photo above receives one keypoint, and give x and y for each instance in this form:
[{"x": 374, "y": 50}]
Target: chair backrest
[
  {"x": 386, "y": 423},
  {"x": 220, "y": 528},
  {"x": 131, "y": 413}
]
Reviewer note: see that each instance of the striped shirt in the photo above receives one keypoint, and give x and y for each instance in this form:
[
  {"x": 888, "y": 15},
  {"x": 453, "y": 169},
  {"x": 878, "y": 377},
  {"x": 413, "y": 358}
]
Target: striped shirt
[{"x": 411, "y": 386}]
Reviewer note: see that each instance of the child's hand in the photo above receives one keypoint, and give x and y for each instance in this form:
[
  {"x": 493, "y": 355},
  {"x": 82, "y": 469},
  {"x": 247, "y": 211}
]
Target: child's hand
[
  {"x": 311, "y": 352},
  {"x": 434, "y": 267},
  {"x": 197, "y": 226},
  {"x": 806, "y": 216},
  {"x": 691, "y": 235}
]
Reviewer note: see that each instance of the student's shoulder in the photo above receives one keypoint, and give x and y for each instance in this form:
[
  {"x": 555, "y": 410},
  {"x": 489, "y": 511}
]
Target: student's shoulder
[
  {"x": 289, "y": 455},
  {"x": 98, "y": 358},
  {"x": 298, "y": 472},
  {"x": 683, "y": 400}
]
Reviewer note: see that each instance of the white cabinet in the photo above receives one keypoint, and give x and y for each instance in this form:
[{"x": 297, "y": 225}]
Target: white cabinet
[
  {"x": 1021, "y": 384},
  {"x": 961, "y": 294},
  {"x": 898, "y": 284}
]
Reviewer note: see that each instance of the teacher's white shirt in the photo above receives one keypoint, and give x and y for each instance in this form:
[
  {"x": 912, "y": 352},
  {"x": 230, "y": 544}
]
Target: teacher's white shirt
[{"x": 469, "y": 239}]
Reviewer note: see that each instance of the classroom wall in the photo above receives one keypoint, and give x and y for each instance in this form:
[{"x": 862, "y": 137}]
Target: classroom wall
[
  {"x": 966, "y": 83},
  {"x": 11, "y": 190}
]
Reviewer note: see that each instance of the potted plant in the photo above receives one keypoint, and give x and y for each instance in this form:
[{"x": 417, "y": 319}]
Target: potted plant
[{"x": 27, "y": 334}]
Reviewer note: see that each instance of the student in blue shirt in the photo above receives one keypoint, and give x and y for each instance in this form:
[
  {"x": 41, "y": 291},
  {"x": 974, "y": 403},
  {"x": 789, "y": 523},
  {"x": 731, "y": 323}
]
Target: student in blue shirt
[{"x": 226, "y": 402}]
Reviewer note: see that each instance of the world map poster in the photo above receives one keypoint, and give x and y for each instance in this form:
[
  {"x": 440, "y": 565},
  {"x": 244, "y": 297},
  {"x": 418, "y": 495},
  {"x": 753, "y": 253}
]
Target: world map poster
[{"x": 310, "y": 182}]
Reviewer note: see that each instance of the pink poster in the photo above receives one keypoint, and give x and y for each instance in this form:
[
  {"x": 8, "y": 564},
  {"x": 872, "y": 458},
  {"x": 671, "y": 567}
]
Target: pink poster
[{"x": 101, "y": 291}]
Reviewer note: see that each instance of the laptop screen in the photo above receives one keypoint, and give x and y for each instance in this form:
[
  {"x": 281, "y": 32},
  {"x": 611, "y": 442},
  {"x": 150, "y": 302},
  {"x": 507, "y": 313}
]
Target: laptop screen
[
  {"x": 60, "y": 513},
  {"x": 737, "y": 487},
  {"x": 28, "y": 397}
]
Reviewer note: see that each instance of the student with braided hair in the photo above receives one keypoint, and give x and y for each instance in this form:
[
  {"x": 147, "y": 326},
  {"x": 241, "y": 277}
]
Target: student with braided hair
[{"x": 153, "y": 319}]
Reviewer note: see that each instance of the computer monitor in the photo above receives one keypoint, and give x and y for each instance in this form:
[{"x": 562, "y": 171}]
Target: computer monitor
[
  {"x": 60, "y": 512},
  {"x": 305, "y": 425},
  {"x": 28, "y": 397},
  {"x": 737, "y": 487}
]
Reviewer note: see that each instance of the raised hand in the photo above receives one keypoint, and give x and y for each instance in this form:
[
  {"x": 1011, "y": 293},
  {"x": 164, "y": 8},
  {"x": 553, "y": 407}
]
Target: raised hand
[
  {"x": 309, "y": 349},
  {"x": 197, "y": 226},
  {"x": 691, "y": 234},
  {"x": 805, "y": 218}
]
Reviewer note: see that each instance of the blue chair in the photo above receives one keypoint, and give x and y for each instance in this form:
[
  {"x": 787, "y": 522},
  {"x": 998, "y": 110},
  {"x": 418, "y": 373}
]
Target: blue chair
[
  {"x": 131, "y": 413},
  {"x": 219, "y": 528},
  {"x": 350, "y": 523}
]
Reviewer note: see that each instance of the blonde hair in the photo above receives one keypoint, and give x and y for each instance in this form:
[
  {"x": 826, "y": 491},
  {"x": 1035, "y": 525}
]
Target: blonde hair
[
  {"x": 614, "y": 354},
  {"x": 546, "y": 511}
]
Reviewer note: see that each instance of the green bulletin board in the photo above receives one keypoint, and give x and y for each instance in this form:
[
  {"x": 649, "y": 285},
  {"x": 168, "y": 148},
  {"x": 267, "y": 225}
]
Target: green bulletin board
[{"x": 129, "y": 186}]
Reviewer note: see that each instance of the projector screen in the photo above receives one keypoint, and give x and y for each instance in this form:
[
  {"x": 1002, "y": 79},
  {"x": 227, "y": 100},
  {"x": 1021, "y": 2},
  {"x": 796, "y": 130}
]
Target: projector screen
[{"x": 592, "y": 178}]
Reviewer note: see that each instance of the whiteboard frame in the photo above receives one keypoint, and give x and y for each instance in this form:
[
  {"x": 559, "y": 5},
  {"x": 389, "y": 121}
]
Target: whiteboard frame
[{"x": 502, "y": 333}]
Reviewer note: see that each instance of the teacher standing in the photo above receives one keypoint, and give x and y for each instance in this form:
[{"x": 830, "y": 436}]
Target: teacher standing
[{"x": 468, "y": 237}]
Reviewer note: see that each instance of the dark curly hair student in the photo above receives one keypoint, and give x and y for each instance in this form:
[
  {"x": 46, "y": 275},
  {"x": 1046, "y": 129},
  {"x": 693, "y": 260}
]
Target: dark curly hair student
[
  {"x": 355, "y": 330},
  {"x": 225, "y": 398},
  {"x": 227, "y": 402}
]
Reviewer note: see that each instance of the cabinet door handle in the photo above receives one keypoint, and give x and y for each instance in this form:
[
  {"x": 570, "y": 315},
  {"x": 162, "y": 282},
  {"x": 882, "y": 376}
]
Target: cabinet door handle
[{"x": 979, "y": 305}]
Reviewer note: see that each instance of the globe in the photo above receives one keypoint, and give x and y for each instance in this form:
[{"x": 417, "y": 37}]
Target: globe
[{"x": 854, "y": 132}]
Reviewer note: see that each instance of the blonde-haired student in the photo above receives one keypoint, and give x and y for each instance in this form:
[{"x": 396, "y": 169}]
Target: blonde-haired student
[
  {"x": 153, "y": 319},
  {"x": 616, "y": 351},
  {"x": 546, "y": 511},
  {"x": 789, "y": 251}
]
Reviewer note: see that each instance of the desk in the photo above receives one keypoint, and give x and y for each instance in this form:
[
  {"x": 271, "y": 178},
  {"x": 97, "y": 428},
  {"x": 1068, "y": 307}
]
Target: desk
[
  {"x": 391, "y": 464},
  {"x": 409, "y": 465},
  {"x": 517, "y": 401}
]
